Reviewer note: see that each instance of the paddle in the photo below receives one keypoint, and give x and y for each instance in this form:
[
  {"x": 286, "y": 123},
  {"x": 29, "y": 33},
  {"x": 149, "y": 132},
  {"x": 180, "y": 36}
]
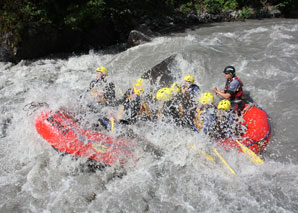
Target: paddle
[
  {"x": 224, "y": 161},
  {"x": 120, "y": 90},
  {"x": 209, "y": 157},
  {"x": 252, "y": 156},
  {"x": 112, "y": 120},
  {"x": 219, "y": 156}
]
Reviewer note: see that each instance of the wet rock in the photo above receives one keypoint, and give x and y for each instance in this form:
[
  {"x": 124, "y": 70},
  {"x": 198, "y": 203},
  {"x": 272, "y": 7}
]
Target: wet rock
[
  {"x": 136, "y": 38},
  {"x": 161, "y": 74}
]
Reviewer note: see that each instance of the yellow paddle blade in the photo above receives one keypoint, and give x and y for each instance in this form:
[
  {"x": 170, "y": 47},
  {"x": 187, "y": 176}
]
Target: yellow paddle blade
[
  {"x": 120, "y": 90},
  {"x": 252, "y": 156},
  {"x": 224, "y": 161},
  {"x": 209, "y": 157},
  {"x": 112, "y": 123}
]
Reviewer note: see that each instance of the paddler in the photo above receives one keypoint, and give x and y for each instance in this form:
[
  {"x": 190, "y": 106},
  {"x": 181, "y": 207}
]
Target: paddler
[
  {"x": 132, "y": 108},
  {"x": 190, "y": 92},
  {"x": 233, "y": 90},
  {"x": 101, "y": 88},
  {"x": 203, "y": 117},
  {"x": 169, "y": 104},
  {"x": 225, "y": 120}
]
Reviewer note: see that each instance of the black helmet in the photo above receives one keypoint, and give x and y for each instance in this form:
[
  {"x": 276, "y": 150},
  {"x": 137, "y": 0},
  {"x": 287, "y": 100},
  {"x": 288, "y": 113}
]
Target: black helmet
[{"x": 229, "y": 70}]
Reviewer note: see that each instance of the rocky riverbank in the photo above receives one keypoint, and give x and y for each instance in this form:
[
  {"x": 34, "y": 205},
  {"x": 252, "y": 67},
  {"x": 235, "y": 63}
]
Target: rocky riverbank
[{"x": 45, "y": 41}]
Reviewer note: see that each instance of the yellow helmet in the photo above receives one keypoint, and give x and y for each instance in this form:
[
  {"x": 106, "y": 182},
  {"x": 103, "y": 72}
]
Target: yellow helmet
[
  {"x": 138, "y": 88},
  {"x": 164, "y": 94},
  {"x": 102, "y": 69},
  {"x": 207, "y": 98},
  {"x": 140, "y": 80},
  {"x": 176, "y": 87},
  {"x": 224, "y": 104},
  {"x": 189, "y": 78}
]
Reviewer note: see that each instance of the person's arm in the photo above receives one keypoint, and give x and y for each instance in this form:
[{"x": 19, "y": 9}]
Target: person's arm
[
  {"x": 223, "y": 94},
  {"x": 120, "y": 114},
  {"x": 144, "y": 107},
  {"x": 92, "y": 85}
]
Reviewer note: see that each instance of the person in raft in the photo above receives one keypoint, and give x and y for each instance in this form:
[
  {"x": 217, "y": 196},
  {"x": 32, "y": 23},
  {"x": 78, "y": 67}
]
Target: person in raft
[
  {"x": 131, "y": 107},
  {"x": 101, "y": 88},
  {"x": 203, "y": 117},
  {"x": 225, "y": 123},
  {"x": 233, "y": 90},
  {"x": 169, "y": 108},
  {"x": 190, "y": 92}
]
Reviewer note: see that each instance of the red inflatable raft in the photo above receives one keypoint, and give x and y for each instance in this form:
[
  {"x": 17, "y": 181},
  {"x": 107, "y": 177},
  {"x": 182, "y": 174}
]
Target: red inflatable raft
[
  {"x": 59, "y": 130},
  {"x": 258, "y": 131}
]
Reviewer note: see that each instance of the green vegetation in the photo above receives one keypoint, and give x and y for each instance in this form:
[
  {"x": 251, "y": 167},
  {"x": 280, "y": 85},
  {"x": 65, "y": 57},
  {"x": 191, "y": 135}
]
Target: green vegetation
[
  {"x": 83, "y": 14},
  {"x": 245, "y": 12}
]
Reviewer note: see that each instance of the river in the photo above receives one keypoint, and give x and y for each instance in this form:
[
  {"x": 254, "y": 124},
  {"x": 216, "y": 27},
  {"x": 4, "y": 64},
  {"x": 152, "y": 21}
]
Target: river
[{"x": 35, "y": 178}]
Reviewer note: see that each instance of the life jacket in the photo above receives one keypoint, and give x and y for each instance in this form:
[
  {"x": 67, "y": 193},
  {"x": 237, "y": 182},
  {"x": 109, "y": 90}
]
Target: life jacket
[
  {"x": 191, "y": 90},
  {"x": 194, "y": 88},
  {"x": 189, "y": 96},
  {"x": 167, "y": 109},
  {"x": 98, "y": 95},
  {"x": 131, "y": 107},
  {"x": 102, "y": 90},
  {"x": 239, "y": 92},
  {"x": 205, "y": 119},
  {"x": 134, "y": 107},
  {"x": 225, "y": 124},
  {"x": 199, "y": 124}
]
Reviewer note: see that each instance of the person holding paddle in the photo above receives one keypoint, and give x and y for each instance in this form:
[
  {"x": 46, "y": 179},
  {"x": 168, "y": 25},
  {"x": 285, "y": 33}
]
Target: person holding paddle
[
  {"x": 233, "y": 90},
  {"x": 225, "y": 119},
  {"x": 190, "y": 92},
  {"x": 132, "y": 106},
  {"x": 101, "y": 88},
  {"x": 203, "y": 117},
  {"x": 167, "y": 110}
]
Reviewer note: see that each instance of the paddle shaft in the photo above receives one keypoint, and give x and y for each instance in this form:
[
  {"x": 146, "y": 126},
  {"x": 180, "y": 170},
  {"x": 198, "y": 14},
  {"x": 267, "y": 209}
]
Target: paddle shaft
[
  {"x": 220, "y": 157},
  {"x": 252, "y": 156}
]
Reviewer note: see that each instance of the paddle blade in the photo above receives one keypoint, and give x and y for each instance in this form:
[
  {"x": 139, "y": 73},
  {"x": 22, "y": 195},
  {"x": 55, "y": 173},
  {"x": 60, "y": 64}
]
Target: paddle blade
[
  {"x": 224, "y": 161},
  {"x": 112, "y": 123},
  {"x": 252, "y": 156},
  {"x": 209, "y": 157}
]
